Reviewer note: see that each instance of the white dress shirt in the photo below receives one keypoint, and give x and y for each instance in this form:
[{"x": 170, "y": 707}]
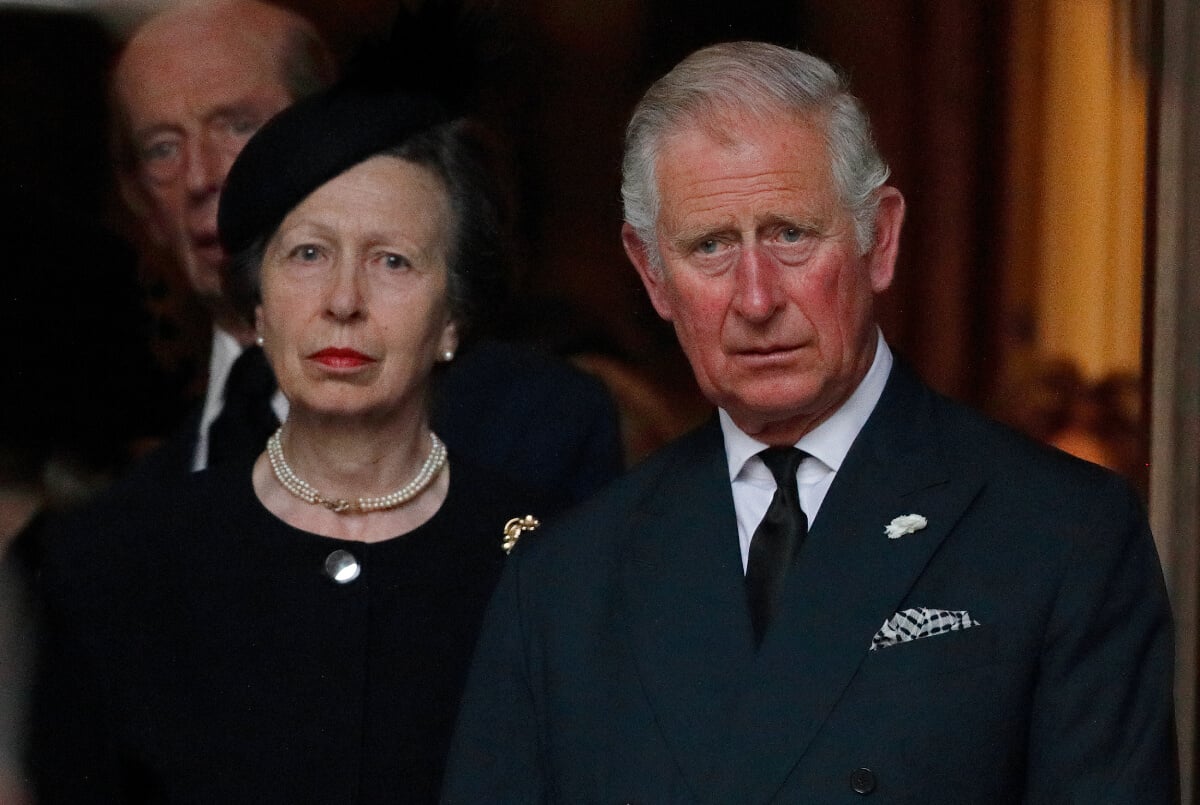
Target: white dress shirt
[
  {"x": 826, "y": 445},
  {"x": 225, "y": 350}
]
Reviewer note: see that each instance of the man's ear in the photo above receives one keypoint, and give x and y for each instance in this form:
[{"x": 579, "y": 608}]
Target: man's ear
[
  {"x": 652, "y": 276},
  {"x": 889, "y": 219}
]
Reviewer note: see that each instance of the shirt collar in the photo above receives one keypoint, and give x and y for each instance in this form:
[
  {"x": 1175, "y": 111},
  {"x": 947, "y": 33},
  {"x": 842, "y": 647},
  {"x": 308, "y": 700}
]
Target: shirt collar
[
  {"x": 225, "y": 350},
  {"x": 830, "y": 441}
]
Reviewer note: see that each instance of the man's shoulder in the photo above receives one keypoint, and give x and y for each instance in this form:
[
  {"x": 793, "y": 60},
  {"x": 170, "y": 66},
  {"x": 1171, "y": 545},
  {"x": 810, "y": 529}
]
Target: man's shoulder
[
  {"x": 973, "y": 441},
  {"x": 601, "y": 520},
  {"x": 498, "y": 364},
  {"x": 1028, "y": 493},
  {"x": 1000, "y": 450}
]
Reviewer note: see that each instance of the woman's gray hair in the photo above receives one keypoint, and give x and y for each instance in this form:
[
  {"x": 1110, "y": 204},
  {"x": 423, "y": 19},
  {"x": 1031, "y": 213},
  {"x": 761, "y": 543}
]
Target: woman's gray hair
[{"x": 762, "y": 81}]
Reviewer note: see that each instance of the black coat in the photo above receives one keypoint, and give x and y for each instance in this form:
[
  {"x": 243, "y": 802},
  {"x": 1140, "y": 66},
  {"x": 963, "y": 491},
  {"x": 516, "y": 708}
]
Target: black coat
[
  {"x": 198, "y": 652},
  {"x": 617, "y": 662}
]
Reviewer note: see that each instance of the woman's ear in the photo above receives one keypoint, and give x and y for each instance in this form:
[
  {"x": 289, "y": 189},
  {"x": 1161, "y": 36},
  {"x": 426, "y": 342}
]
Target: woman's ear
[{"x": 448, "y": 345}]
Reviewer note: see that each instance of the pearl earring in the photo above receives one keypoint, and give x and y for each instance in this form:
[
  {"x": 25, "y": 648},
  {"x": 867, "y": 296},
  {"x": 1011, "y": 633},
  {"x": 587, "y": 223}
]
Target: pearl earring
[
  {"x": 448, "y": 355},
  {"x": 259, "y": 340}
]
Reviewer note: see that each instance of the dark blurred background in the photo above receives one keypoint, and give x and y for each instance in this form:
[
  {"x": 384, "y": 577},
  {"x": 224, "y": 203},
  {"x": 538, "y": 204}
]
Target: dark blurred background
[{"x": 958, "y": 92}]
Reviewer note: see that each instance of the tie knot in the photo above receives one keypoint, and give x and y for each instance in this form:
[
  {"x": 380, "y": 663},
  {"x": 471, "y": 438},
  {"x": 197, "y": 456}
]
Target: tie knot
[
  {"x": 246, "y": 419},
  {"x": 783, "y": 463}
]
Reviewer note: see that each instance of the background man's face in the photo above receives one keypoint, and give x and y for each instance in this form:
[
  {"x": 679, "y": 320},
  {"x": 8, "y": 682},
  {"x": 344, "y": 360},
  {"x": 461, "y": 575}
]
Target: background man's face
[
  {"x": 192, "y": 96},
  {"x": 761, "y": 276}
]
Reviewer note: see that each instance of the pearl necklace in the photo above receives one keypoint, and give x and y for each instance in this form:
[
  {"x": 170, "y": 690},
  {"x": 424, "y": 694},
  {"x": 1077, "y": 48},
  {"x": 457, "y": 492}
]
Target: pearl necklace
[{"x": 293, "y": 483}]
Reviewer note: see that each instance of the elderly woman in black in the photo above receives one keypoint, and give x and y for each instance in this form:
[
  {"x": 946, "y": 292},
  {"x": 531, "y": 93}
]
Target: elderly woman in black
[{"x": 298, "y": 630}]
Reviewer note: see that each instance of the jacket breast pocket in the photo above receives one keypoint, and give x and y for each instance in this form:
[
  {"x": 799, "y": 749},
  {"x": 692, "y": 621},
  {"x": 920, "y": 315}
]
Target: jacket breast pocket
[{"x": 944, "y": 653}]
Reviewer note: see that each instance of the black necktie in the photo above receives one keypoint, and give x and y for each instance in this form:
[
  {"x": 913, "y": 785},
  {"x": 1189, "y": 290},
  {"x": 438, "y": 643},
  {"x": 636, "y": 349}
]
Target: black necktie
[
  {"x": 777, "y": 538},
  {"x": 246, "y": 420}
]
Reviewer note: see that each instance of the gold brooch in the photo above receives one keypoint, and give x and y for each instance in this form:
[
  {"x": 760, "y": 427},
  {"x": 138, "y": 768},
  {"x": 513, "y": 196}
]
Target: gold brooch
[{"x": 515, "y": 527}]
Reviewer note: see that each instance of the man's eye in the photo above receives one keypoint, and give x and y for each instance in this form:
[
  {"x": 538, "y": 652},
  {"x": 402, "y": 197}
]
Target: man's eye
[
  {"x": 395, "y": 261},
  {"x": 159, "y": 151},
  {"x": 243, "y": 125},
  {"x": 791, "y": 235},
  {"x": 708, "y": 246}
]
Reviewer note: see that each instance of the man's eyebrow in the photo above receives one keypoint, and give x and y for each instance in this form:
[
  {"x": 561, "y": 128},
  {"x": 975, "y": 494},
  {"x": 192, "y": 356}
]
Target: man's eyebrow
[
  {"x": 146, "y": 132},
  {"x": 235, "y": 109}
]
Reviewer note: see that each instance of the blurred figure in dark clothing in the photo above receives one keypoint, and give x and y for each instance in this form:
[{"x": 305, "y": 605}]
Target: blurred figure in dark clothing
[{"x": 81, "y": 392}]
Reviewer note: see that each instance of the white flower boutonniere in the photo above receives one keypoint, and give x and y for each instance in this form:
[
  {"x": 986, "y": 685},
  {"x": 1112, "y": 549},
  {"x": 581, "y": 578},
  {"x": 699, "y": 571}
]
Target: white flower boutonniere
[{"x": 905, "y": 524}]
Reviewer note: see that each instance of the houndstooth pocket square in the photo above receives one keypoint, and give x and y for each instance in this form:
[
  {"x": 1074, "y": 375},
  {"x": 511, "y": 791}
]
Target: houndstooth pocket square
[{"x": 914, "y": 624}]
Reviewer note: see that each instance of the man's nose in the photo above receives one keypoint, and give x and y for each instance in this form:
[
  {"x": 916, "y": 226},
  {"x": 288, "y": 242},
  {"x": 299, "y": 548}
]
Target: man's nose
[
  {"x": 207, "y": 165},
  {"x": 759, "y": 293}
]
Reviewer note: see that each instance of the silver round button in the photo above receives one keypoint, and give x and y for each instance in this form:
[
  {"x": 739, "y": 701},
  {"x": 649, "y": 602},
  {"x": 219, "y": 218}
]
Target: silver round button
[{"x": 342, "y": 567}]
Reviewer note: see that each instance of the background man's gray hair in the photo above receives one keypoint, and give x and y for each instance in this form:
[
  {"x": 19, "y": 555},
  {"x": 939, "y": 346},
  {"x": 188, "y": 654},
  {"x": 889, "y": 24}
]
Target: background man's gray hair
[{"x": 759, "y": 80}]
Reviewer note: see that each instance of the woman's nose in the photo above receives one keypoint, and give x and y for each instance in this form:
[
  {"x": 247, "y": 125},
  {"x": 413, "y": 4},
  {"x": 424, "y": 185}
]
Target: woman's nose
[{"x": 346, "y": 299}]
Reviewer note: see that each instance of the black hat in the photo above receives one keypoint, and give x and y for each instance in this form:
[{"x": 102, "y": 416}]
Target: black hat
[{"x": 306, "y": 145}]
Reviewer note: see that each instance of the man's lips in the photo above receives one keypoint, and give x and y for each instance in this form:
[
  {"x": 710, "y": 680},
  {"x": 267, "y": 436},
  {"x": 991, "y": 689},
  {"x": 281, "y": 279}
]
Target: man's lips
[
  {"x": 766, "y": 351},
  {"x": 340, "y": 358},
  {"x": 206, "y": 242}
]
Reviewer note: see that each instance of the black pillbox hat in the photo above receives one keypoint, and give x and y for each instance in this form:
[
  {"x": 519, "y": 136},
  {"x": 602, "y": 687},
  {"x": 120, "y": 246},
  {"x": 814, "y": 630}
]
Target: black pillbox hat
[{"x": 306, "y": 145}]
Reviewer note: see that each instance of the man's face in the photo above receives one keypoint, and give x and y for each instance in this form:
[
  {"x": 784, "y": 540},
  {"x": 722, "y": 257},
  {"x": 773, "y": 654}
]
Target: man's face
[
  {"x": 193, "y": 95},
  {"x": 761, "y": 276}
]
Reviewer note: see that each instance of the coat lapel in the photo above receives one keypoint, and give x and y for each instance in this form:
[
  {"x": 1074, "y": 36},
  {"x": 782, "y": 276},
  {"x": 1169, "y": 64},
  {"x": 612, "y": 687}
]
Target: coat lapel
[
  {"x": 685, "y": 609},
  {"x": 849, "y": 579}
]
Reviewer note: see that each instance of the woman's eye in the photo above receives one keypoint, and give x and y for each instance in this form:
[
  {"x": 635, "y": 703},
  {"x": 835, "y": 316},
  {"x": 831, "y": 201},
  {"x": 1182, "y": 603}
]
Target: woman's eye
[{"x": 306, "y": 253}]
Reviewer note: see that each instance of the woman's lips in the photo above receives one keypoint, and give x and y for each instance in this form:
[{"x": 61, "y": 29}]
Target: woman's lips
[{"x": 340, "y": 358}]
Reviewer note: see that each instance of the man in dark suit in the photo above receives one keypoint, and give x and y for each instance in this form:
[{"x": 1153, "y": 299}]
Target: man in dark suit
[
  {"x": 847, "y": 585},
  {"x": 191, "y": 86}
]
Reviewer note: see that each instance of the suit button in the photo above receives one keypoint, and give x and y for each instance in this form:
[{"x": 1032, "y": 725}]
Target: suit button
[{"x": 862, "y": 781}]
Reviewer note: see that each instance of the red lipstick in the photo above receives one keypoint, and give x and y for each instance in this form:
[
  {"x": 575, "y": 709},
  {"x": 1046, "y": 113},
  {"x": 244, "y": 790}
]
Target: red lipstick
[{"x": 341, "y": 358}]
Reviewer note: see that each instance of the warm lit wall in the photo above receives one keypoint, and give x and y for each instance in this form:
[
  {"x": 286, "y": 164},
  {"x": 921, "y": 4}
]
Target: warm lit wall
[{"x": 1074, "y": 247}]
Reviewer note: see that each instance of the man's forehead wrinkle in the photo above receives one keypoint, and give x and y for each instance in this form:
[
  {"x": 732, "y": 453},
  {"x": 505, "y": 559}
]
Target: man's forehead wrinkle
[{"x": 758, "y": 197}]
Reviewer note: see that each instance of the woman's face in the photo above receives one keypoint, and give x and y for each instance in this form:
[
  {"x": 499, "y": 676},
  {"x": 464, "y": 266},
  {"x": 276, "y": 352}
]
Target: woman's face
[{"x": 354, "y": 311}]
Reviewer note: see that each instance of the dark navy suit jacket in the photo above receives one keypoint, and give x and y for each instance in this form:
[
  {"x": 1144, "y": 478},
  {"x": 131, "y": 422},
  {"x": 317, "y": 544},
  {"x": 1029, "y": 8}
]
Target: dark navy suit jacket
[{"x": 617, "y": 663}]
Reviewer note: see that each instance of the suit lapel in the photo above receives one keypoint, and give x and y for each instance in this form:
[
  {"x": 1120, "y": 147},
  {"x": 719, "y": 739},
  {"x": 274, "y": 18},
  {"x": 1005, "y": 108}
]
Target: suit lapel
[
  {"x": 685, "y": 611},
  {"x": 849, "y": 579}
]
